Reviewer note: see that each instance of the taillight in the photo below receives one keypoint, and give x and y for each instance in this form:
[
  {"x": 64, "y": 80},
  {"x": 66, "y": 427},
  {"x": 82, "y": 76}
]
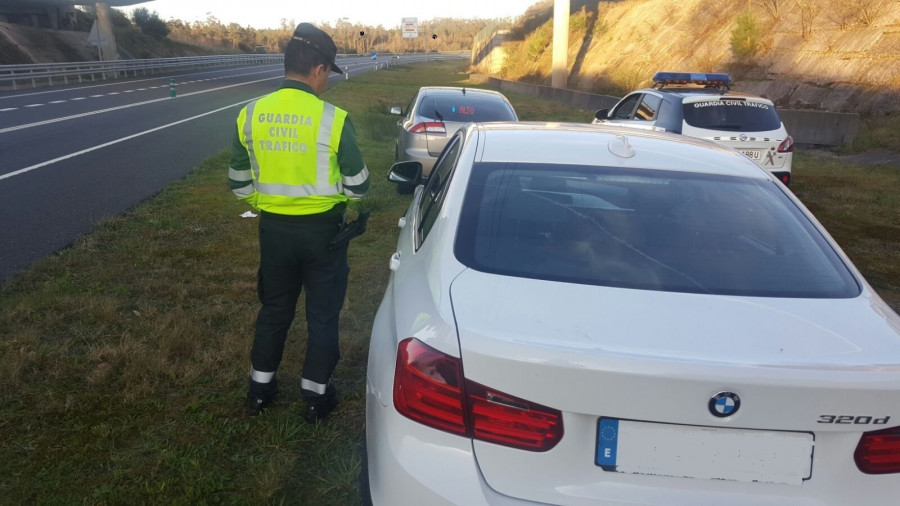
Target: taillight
[
  {"x": 878, "y": 452},
  {"x": 787, "y": 145},
  {"x": 503, "y": 419},
  {"x": 428, "y": 388},
  {"x": 429, "y": 127}
]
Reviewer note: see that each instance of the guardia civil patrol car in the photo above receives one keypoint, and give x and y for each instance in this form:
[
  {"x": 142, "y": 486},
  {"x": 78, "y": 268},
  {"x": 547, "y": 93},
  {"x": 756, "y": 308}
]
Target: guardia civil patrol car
[{"x": 703, "y": 105}]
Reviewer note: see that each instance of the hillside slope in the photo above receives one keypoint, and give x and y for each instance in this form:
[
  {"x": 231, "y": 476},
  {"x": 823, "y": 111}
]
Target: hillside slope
[
  {"x": 24, "y": 44},
  {"x": 839, "y": 55}
]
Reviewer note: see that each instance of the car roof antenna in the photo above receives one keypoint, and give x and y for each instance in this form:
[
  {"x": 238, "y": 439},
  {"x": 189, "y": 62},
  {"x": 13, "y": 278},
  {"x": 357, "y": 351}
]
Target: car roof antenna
[{"x": 464, "y": 90}]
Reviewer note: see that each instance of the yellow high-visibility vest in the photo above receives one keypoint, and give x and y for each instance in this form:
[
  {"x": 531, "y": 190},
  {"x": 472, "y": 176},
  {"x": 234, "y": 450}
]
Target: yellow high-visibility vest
[{"x": 292, "y": 138}]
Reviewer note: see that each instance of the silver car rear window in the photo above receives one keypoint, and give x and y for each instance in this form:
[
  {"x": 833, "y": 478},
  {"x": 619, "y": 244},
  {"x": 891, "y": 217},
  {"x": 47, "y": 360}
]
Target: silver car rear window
[
  {"x": 645, "y": 229},
  {"x": 465, "y": 108},
  {"x": 731, "y": 115}
]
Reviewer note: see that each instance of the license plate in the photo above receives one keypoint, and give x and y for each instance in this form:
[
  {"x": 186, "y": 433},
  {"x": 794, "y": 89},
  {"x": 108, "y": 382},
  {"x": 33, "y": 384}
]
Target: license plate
[
  {"x": 709, "y": 453},
  {"x": 752, "y": 153}
]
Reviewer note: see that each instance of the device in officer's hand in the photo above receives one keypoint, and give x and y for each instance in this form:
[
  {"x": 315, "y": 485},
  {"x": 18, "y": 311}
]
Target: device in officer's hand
[{"x": 349, "y": 230}]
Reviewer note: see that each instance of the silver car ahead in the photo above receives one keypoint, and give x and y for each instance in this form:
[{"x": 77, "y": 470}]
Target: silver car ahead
[{"x": 435, "y": 113}]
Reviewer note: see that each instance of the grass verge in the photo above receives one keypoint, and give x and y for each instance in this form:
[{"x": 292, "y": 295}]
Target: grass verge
[{"x": 123, "y": 359}]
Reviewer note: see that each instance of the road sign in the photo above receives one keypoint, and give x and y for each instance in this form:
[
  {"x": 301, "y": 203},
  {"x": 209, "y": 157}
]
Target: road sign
[
  {"x": 409, "y": 28},
  {"x": 374, "y": 55},
  {"x": 95, "y": 38}
]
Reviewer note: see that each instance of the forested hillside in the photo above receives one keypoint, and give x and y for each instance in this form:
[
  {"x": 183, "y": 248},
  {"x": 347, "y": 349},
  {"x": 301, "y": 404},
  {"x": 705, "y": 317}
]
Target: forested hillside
[{"x": 452, "y": 35}]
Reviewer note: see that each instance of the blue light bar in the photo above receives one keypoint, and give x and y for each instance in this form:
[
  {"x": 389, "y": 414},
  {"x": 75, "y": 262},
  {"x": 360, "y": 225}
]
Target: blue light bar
[{"x": 705, "y": 79}]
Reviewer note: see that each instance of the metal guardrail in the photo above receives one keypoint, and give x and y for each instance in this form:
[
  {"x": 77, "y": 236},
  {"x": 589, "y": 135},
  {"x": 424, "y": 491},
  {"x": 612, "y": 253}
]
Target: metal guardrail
[
  {"x": 62, "y": 73},
  {"x": 48, "y": 74}
]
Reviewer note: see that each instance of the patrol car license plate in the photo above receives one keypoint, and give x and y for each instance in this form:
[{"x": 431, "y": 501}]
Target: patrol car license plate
[
  {"x": 709, "y": 453},
  {"x": 752, "y": 153}
]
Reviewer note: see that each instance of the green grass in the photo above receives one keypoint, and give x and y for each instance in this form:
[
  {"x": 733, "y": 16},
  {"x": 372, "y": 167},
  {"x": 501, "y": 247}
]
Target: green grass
[
  {"x": 123, "y": 360},
  {"x": 858, "y": 206},
  {"x": 875, "y": 132}
]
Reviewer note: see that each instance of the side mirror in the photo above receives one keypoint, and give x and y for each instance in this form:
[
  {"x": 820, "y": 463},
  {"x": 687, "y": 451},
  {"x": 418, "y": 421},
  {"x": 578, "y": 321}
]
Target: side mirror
[
  {"x": 602, "y": 114},
  {"x": 397, "y": 110},
  {"x": 406, "y": 173}
]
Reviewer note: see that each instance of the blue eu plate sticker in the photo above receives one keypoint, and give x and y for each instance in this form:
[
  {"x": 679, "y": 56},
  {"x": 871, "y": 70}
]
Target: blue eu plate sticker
[{"x": 607, "y": 442}]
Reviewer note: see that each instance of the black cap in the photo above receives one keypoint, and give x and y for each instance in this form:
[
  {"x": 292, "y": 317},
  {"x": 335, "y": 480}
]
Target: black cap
[{"x": 319, "y": 41}]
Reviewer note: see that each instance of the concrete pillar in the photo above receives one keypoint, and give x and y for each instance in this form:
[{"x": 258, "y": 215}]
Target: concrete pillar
[
  {"x": 560, "y": 75},
  {"x": 108, "y": 46}
]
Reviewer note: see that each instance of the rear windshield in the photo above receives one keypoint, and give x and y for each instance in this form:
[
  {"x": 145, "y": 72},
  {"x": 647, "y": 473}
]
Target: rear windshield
[
  {"x": 732, "y": 115},
  {"x": 645, "y": 229},
  {"x": 465, "y": 108}
]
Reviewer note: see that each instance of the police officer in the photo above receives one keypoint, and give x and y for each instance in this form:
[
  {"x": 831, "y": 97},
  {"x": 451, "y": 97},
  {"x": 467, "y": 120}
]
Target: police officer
[{"x": 295, "y": 159}]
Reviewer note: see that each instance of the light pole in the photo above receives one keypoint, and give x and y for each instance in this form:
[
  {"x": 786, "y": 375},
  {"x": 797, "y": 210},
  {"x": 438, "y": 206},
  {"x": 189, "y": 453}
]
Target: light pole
[{"x": 560, "y": 72}]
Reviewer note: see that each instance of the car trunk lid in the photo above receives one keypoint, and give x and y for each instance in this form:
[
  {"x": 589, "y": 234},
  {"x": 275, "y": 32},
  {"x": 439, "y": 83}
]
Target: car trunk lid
[{"x": 599, "y": 353}]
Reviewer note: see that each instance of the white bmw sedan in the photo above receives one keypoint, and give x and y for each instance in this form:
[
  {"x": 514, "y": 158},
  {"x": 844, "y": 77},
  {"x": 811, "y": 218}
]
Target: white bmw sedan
[{"x": 584, "y": 314}]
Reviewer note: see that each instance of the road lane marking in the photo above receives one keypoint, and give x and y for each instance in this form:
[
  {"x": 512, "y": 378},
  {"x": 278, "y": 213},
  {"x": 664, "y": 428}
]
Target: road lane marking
[
  {"x": 9, "y": 109},
  {"x": 163, "y": 76},
  {"x": 128, "y": 106},
  {"x": 141, "y": 89},
  {"x": 77, "y": 98},
  {"x": 123, "y": 139}
]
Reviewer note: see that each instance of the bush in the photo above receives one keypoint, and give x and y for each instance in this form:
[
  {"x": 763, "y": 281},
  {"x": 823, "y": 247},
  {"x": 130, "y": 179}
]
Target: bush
[
  {"x": 150, "y": 23},
  {"x": 119, "y": 19},
  {"x": 745, "y": 38}
]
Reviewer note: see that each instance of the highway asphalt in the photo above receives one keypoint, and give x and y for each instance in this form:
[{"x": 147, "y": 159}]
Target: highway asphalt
[{"x": 72, "y": 156}]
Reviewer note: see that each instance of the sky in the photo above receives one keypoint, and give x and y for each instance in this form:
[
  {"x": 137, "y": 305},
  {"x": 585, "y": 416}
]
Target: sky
[{"x": 268, "y": 13}]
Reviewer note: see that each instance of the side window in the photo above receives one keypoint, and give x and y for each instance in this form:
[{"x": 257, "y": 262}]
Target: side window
[
  {"x": 625, "y": 110},
  {"x": 647, "y": 110},
  {"x": 409, "y": 107},
  {"x": 436, "y": 189}
]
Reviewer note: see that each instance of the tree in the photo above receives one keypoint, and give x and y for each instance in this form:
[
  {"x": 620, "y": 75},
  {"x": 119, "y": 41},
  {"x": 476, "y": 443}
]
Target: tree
[
  {"x": 869, "y": 10},
  {"x": 150, "y": 23},
  {"x": 745, "y": 38},
  {"x": 809, "y": 11},
  {"x": 771, "y": 7}
]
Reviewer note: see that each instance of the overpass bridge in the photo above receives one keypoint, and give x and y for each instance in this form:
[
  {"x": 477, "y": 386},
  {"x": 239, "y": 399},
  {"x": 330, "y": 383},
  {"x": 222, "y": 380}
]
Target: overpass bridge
[{"x": 59, "y": 14}]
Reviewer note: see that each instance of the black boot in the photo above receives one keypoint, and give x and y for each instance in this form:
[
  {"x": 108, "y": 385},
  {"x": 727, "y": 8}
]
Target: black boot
[
  {"x": 318, "y": 407},
  {"x": 260, "y": 396}
]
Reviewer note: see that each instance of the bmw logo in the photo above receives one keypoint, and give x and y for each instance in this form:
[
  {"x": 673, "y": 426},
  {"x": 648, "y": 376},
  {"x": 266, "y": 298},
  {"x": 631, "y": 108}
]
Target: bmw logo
[{"x": 724, "y": 404}]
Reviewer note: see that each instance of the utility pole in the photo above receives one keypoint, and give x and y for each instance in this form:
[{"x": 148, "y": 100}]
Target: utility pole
[{"x": 560, "y": 73}]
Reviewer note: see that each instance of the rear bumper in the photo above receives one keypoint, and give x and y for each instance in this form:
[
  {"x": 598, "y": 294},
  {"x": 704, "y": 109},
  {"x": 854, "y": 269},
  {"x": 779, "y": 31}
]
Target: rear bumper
[{"x": 783, "y": 176}]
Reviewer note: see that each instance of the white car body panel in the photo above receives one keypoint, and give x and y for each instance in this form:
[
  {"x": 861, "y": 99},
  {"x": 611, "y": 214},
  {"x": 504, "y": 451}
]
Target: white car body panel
[{"x": 594, "y": 351}]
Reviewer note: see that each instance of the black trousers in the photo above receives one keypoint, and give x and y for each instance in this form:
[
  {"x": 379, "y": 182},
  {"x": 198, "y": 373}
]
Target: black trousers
[{"x": 294, "y": 255}]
